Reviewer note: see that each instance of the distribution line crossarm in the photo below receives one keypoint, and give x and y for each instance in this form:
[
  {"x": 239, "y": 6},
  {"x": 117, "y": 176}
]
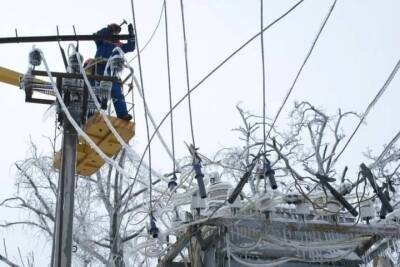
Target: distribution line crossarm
[{"x": 80, "y": 131}]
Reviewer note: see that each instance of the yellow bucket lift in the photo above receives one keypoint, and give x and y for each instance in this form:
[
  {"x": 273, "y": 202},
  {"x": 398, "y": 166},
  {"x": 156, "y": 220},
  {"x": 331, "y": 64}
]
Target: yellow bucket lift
[
  {"x": 12, "y": 77},
  {"x": 87, "y": 160},
  {"x": 9, "y": 76}
]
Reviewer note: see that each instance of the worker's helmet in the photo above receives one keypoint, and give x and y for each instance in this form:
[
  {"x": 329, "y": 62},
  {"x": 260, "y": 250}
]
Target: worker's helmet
[{"x": 114, "y": 28}]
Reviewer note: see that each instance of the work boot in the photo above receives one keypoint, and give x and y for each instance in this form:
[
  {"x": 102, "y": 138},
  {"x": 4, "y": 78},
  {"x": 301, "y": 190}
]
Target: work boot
[{"x": 126, "y": 117}]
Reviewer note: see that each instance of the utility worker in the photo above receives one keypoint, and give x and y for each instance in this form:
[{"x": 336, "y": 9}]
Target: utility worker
[{"x": 104, "y": 52}]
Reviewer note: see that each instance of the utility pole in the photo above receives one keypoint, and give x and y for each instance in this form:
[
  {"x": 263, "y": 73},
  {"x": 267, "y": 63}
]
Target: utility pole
[
  {"x": 75, "y": 96},
  {"x": 62, "y": 242},
  {"x": 64, "y": 219}
]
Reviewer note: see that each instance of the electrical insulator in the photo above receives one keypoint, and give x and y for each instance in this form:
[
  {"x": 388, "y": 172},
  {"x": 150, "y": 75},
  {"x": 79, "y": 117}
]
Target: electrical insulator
[
  {"x": 35, "y": 58},
  {"x": 265, "y": 201},
  {"x": 153, "y": 227},
  {"x": 104, "y": 89},
  {"x": 73, "y": 63},
  {"x": 325, "y": 183},
  {"x": 260, "y": 172},
  {"x": 198, "y": 203},
  {"x": 218, "y": 193},
  {"x": 345, "y": 188},
  {"x": 333, "y": 206},
  {"x": 385, "y": 208},
  {"x": 26, "y": 81},
  {"x": 367, "y": 211},
  {"x": 172, "y": 183},
  {"x": 72, "y": 85},
  {"x": 117, "y": 64},
  {"x": 293, "y": 198},
  {"x": 214, "y": 177},
  {"x": 199, "y": 177},
  {"x": 270, "y": 173},
  {"x": 198, "y": 174}
]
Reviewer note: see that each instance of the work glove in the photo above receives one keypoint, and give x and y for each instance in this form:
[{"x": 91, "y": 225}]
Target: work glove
[{"x": 130, "y": 30}]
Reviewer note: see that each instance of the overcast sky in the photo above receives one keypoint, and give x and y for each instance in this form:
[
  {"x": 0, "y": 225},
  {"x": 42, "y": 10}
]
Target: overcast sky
[{"x": 355, "y": 54}]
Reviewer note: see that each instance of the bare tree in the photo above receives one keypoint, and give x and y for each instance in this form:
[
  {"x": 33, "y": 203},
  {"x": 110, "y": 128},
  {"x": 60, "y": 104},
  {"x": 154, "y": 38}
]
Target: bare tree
[
  {"x": 297, "y": 152},
  {"x": 104, "y": 220},
  {"x": 7, "y": 261}
]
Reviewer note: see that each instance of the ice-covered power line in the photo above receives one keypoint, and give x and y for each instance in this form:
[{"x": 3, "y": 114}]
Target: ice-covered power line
[
  {"x": 144, "y": 104},
  {"x": 187, "y": 72},
  {"x": 169, "y": 90},
  {"x": 153, "y": 122},
  {"x": 214, "y": 70},
  {"x": 386, "y": 150},
  {"x": 263, "y": 69},
  {"x": 370, "y": 106},
  {"x": 152, "y": 34},
  {"x": 302, "y": 66}
]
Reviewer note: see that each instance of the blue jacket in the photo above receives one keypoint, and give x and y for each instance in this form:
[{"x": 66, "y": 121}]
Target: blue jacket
[{"x": 105, "y": 47}]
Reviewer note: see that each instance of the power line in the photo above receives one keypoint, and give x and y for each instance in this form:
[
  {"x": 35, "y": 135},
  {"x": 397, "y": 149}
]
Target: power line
[
  {"x": 302, "y": 67},
  {"x": 152, "y": 35},
  {"x": 211, "y": 73},
  {"x": 369, "y": 107},
  {"x": 145, "y": 110},
  {"x": 263, "y": 68},
  {"x": 386, "y": 150},
  {"x": 169, "y": 86},
  {"x": 187, "y": 73}
]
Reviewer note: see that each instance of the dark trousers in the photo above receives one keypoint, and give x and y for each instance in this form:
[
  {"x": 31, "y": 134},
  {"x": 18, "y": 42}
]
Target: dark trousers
[{"x": 118, "y": 99}]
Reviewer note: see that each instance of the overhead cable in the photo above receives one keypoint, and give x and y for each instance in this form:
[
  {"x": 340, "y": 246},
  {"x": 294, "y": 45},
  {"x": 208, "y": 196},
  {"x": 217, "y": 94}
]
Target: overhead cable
[
  {"x": 187, "y": 73},
  {"x": 386, "y": 150},
  {"x": 214, "y": 70},
  {"x": 153, "y": 122},
  {"x": 370, "y": 106},
  {"x": 302, "y": 67},
  {"x": 169, "y": 90},
  {"x": 144, "y": 104},
  {"x": 263, "y": 68},
  {"x": 152, "y": 35}
]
